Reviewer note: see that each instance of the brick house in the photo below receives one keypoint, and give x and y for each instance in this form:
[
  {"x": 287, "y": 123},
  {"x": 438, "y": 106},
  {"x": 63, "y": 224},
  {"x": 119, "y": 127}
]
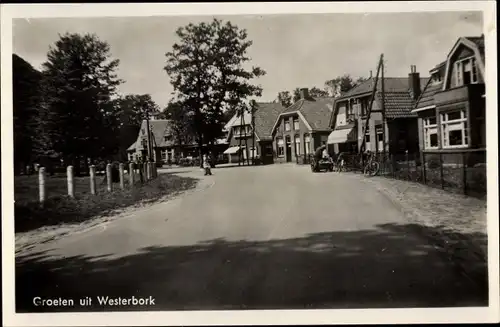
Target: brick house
[
  {"x": 303, "y": 127},
  {"x": 241, "y": 137},
  {"x": 451, "y": 109},
  {"x": 163, "y": 143},
  {"x": 350, "y": 114}
]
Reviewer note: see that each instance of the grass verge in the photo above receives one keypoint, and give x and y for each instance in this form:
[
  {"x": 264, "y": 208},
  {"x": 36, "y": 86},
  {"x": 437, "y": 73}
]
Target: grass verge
[{"x": 58, "y": 210}]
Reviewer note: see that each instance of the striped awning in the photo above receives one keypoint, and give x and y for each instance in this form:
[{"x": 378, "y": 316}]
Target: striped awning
[{"x": 232, "y": 150}]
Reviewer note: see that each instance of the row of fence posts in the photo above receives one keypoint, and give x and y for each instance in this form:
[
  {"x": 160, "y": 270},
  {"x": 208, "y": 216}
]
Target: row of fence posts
[{"x": 147, "y": 171}]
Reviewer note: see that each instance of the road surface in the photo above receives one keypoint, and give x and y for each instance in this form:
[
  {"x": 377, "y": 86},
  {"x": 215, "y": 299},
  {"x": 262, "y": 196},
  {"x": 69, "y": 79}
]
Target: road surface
[{"x": 268, "y": 237}]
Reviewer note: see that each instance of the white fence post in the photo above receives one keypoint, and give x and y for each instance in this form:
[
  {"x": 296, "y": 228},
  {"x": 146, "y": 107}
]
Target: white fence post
[
  {"x": 92, "y": 180},
  {"x": 41, "y": 184},
  {"x": 131, "y": 174},
  {"x": 71, "y": 181},
  {"x": 109, "y": 178},
  {"x": 122, "y": 177}
]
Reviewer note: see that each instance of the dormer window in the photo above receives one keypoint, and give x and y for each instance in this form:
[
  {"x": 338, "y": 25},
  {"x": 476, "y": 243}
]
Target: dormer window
[
  {"x": 437, "y": 78},
  {"x": 466, "y": 71}
]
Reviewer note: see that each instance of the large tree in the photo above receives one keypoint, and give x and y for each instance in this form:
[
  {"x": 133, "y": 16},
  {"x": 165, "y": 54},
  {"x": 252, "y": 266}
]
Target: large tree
[
  {"x": 26, "y": 84},
  {"x": 81, "y": 113},
  {"x": 339, "y": 85},
  {"x": 207, "y": 72}
]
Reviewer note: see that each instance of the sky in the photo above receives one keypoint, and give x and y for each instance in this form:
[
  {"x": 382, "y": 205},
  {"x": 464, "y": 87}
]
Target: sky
[{"x": 295, "y": 50}]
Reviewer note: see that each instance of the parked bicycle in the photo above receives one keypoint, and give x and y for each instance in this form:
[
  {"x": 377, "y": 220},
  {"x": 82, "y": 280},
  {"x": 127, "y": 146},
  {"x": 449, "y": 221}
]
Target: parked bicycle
[
  {"x": 372, "y": 167},
  {"x": 366, "y": 163}
]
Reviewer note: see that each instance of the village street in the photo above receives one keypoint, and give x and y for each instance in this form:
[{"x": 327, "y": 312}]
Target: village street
[{"x": 266, "y": 237}]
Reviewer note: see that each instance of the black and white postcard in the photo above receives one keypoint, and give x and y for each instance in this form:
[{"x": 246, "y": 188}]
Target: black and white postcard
[{"x": 249, "y": 164}]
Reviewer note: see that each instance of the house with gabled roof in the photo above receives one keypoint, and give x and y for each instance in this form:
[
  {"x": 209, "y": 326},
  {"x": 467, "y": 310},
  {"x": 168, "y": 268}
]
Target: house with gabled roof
[
  {"x": 451, "y": 110},
  {"x": 161, "y": 140},
  {"x": 400, "y": 127},
  {"x": 252, "y": 138},
  {"x": 301, "y": 128}
]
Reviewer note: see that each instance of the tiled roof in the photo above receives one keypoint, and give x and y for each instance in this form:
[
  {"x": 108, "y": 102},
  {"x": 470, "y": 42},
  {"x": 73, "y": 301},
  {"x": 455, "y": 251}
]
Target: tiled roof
[
  {"x": 398, "y": 104},
  {"x": 316, "y": 111},
  {"x": 266, "y": 114},
  {"x": 478, "y": 40},
  {"x": 265, "y": 117},
  {"x": 427, "y": 96},
  {"x": 159, "y": 129},
  {"x": 391, "y": 84}
]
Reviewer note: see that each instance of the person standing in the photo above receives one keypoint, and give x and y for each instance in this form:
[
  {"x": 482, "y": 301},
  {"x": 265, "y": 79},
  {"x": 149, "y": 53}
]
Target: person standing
[{"x": 206, "y": 165}]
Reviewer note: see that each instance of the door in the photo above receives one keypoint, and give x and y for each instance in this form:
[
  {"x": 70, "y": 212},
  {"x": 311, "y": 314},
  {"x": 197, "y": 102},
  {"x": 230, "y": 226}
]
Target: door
[{"x": 288, "y": 149}]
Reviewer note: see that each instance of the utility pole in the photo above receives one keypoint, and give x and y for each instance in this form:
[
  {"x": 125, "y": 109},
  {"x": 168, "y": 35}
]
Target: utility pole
[
  {"x": 374, "y": 92},
  {"x": 149, "y": 134},
  {"x": 241, "y": 126},
  {"x": 253, "y": 104},
  {"x": 383, "y": 107}
]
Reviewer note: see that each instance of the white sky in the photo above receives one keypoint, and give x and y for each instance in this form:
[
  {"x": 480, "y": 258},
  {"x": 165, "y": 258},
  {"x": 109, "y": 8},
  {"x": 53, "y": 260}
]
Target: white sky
[{"x": 294, "y": 50}]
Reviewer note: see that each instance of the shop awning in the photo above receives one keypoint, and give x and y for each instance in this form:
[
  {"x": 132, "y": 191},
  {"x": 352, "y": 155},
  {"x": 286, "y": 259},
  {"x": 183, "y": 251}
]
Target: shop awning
[
  {"x": 340, "y": 136},
  {"x": 232, "y": 150}
]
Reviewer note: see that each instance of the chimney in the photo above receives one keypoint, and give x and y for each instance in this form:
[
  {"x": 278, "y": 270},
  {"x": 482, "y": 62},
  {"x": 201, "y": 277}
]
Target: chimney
[
  {"x": 414, "y": 82},
  {"x": 304, "y": 93},
  {"x": 371, "y": 74}
]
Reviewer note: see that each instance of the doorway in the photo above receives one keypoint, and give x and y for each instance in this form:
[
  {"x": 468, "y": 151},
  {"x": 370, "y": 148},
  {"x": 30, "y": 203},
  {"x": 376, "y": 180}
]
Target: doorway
[{"x": 288, "y": 149}]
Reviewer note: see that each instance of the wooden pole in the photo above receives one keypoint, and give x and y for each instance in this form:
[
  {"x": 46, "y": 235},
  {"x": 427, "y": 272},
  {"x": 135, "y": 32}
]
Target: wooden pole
[
  {"x": 92, "y": 180},
  {"x": 383, "y": 106},
  {"x": 253, "y": 132},
  {"x": 41, "y": 184},
  {"x": 122, "y": 175},
  {"x": 71, "y": 182},
  {"x": 131, "y": 174},
  {"x": 241, "y": 126},
  {"x": 374, "y": 92},
  {"x": 109, "y": 178}
]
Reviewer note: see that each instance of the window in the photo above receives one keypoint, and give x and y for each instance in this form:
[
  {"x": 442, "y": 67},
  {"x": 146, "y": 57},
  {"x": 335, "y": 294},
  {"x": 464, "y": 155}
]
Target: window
[
  {"x": 296, "y": 124},
  {"x": 466, "y": 71},
  {"x": 287, "y": 125},
  {"x": 350, "y": 110},
  {"x": 430, "y": 133},
  {"x": 167, "y": 138},
  {"x": 454, "y": 129},
  {"x": 307, "y": 143},
  {"x": 380, "y": 138},
  {"x": 437, "y": 78},
  {"x": 281, "y": 148},
  {"x": 367, "y": 138},
  {"x": 164, "y": 155},
  {"x": 269, "y": 150},
  {"x": 297, "y": 145}
]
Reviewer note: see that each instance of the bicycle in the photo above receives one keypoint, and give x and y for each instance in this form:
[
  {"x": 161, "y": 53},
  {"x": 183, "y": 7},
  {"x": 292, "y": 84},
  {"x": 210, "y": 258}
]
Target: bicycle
[{"x": 372, "y": 168}]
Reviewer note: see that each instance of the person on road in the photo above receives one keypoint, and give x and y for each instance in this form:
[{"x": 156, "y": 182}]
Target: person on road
[{"x": 206, "y": 165}]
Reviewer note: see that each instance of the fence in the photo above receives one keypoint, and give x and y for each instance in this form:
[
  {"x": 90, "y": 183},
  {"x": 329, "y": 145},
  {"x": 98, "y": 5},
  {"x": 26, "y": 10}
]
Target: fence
[
  {"x": 115, "y": 177},
  {"x": 454, "y": 171}
]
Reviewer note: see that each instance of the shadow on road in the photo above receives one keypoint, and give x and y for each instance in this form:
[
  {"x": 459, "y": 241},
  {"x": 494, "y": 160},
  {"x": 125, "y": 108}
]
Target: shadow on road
[{"x": 387, "y": 267}]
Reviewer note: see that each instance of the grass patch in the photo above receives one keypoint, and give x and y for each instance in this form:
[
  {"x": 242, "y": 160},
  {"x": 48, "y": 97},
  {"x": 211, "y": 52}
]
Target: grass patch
[{"x": 60, "y": 209}]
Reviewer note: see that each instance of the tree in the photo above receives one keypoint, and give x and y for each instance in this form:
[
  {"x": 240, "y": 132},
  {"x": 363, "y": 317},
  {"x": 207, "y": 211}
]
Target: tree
[
  {"x": 317, "y": 93},
  {"x": 133, "y": 109},
  {"x": 81, "y": 115},
  {"x": 26, "y": 84},
  {"x": 296, "y": 94},
  {"x": 206, "y": 71},
  {"x": 180, "y": 123},
  {"x": 285, "y": 98},
  {"x": 339, "y": 85}
]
